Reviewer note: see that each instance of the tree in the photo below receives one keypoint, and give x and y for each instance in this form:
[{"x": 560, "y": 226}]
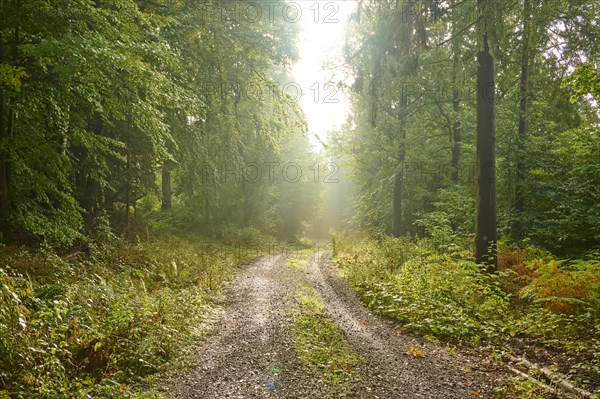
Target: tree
[
  {"x": 486, "y": 234},
  {"x": 99, "y": 114},
  {"x": 523, "y": 117}
]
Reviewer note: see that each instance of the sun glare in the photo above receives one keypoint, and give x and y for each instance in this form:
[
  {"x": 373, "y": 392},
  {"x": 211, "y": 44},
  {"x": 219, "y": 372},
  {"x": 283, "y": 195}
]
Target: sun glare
[{"x": 323, "y": 26}]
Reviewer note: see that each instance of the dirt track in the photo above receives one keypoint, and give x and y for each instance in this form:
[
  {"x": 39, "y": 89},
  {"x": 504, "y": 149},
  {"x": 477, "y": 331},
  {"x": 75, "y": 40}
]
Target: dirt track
[{"x": 251, "y": 354}]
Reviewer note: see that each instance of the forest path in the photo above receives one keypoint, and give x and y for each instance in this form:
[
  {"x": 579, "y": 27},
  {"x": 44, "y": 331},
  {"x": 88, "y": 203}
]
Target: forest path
[{"x": 251, "y": 353}]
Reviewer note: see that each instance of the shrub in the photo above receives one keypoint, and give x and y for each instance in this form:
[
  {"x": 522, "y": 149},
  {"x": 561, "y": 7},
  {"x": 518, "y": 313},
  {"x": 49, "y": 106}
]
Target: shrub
[{"x": 564, "y": 291}]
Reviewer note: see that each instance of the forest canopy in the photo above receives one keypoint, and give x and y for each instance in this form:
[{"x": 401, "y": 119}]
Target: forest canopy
[
  {"x": 109, "y": 108},
  {"x": 428, "y": 158}
]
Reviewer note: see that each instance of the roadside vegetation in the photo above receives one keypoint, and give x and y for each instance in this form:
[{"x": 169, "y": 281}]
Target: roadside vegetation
[
  {"x": 299, "y": 259},
  {"x": 112, "y": 323},
  {"x": 537, "y": 304}
]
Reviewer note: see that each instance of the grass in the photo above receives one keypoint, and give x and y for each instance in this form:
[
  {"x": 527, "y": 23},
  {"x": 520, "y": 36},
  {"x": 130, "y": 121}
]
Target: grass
[
  {"x": 299, "y": 259},
  {"x": 114, "y": 323},
  {"x": 518, "y": 387},
  {"x": 320, "y": 344}
]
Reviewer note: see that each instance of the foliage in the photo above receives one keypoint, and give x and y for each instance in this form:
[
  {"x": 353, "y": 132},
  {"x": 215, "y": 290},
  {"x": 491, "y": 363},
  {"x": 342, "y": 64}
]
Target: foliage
[
  {"x": 92, "y": 112},
  {"x": 561, "y": 290},
  {"x": 439, "y": 290},
  {"x": 299, "y": 259},
  {"x": 585, "y": 80},
  {"x": 106, "y": 325},
  {"x": 519, "y": 388},
  {"x": 445, "y": 294},
  {"x": 564, "y": 205},
  {"x": 409, "y": 143}
]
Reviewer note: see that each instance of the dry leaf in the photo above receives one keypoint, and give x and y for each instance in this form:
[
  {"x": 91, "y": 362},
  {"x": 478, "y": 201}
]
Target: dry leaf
[{"x": 415, "y": 352}]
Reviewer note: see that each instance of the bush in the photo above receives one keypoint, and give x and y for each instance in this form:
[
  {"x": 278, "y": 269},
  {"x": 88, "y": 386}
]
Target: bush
[{"x": 565, "y": 291}]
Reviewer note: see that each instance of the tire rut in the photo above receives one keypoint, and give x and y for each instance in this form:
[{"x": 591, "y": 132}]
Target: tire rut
[
  {"x": 251, "y": 352},
  {"x": 388, "y": 371}
]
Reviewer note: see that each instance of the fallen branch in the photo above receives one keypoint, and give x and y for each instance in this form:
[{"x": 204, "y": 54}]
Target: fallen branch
[
  {"x": 552, "y": 377},
  {"x": 531, "y": 378}
]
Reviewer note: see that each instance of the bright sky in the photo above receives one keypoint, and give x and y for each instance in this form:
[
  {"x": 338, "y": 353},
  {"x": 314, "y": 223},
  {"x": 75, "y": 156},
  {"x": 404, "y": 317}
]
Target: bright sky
[{"x": 323, "y": 27}]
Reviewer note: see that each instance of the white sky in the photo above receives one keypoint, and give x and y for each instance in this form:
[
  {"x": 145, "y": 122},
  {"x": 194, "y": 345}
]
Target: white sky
[{"x": 323, "y": 26}]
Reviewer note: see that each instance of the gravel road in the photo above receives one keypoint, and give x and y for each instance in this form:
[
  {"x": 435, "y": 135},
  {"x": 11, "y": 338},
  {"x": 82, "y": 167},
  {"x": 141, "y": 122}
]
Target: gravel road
[{"x": 251, "y": 352}]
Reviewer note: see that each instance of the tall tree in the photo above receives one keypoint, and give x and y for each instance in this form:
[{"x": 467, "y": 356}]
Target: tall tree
[
  {"x": 523, "y": 120},
  {"x": 486, "y": 232},
  {"x": 457, "y": 126}
]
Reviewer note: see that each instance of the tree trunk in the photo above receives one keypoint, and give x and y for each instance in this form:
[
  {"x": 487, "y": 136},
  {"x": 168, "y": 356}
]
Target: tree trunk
[
  {"x": 373, "y": 100},
  {"x": 485, "y": 239},
  {"x": 128, "y": 175},
  {"x": 206, "y": 211},
  {"x": 4, "y": 194},
  {"x": 246, "y": 211},
  {"x": 519, "y": 206},
  {"x": 87, "y": 187},
  {"x": 166, "y": 187},
  {"x": 127, "y": 206},
  {"x": 457, "y": 128},
  {"x": 398, "y": 228},
  {"x": 6, "y": 132},
  {"x": 4, "y": 186}
]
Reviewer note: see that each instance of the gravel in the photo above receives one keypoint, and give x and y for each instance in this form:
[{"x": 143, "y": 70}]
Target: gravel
[{"x": 251, "y": 352}]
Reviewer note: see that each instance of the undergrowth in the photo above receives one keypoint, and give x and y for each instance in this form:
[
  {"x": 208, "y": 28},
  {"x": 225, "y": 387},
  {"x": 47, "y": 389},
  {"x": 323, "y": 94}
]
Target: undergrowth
[
  {"x": 320, "y": 345},
  {"x": 109, "y": 324},
  {"x": 437, "y": 290},
  {"x": 517, "y": 387}
]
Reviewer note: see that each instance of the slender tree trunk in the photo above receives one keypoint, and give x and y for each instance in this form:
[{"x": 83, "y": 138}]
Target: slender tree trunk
[
  {"x": 398, "y": 228},
  {"x": 4, "y": 195},
  {"x": 457, "y": 128},
  {"x": 127, "y": 176},
  {"x": 166, "y": 187},
  {"x": 4, "y": 186},
  {"x": 87, "y": 187},
  {"x": 246, "y": 211},
  {"x": 206, "y": 210},
  {"x": 127, "y": 201},
  {"x": 412, "y": 29},
  {"x": 7, "y": 125},
  {"x": 373, "y": 105},
  {"x": 486, "y": 236},
  {"x": 523, "y": 123},
  {"x": 89, "y": 201}
]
